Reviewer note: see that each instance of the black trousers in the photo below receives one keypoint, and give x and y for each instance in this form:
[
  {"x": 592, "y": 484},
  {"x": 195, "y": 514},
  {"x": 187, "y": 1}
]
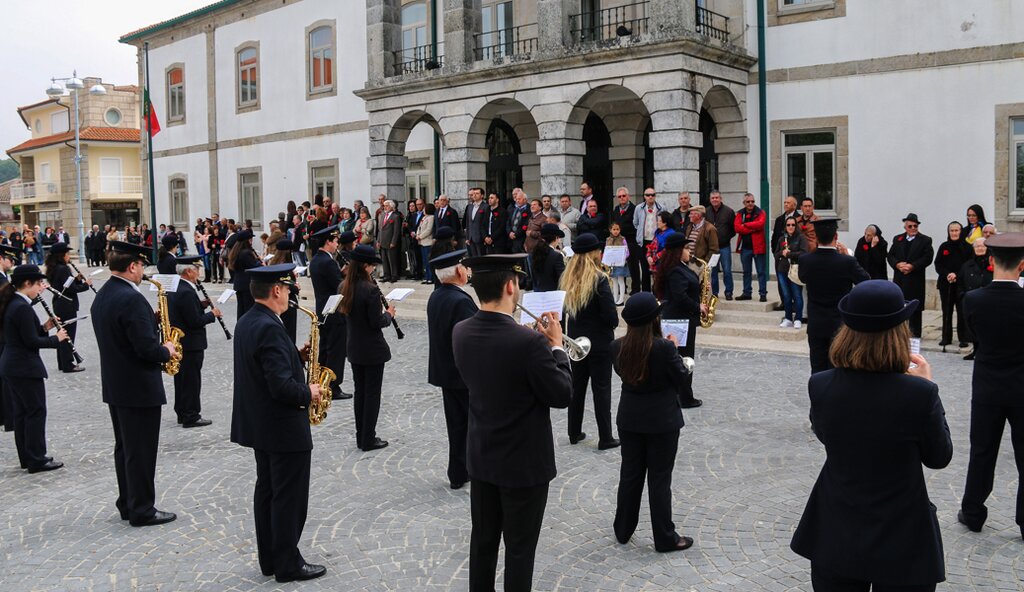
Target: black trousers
[
  {"x": 635, "y": 255},
  {"x": 949, "y": 295},
  {"x": 595, "y": 369},
  {"x": 514, "y": 514},
  {"x": 366, "y": 402},
  {"x": 65, "y": 359},
  {"x": 987, "y": 422},
  {"x": 416, "y": 260},
  {"x": 245, "y": 302},
  {"x": 456, "y": 419},
  {"x": 6, "y": 407},
  {"x": 824, "y": 581},
  {"x": 188, "y": 383},
  {"x": 334, "y": 348},
  {"x": 28, "y": 396},
  {"x": 914, "y": 290},
  {"x": 688, "y": 350},
  {"x": 280, "y": 503},
  {"x": 650, "y": 456},
  {"x": 645, "y": 268},
  {"x": 389, "y": 255},
  {"x": 476, "y": 249},
  {"x": 819, "y": 353},
  {"x": 136, "y": 439}
]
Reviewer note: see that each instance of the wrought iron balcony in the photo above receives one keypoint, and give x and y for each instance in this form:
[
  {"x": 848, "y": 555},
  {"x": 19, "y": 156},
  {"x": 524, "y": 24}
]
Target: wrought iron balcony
[
  {"x": 418, "y": 59},
  {"x": 629, "y": 20},
  {"x": 505, "y": 43},
  {"x": 712, "y": 24}
]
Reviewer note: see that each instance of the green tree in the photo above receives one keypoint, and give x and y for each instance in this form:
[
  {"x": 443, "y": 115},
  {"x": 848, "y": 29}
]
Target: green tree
[{"x": 9, "y": 169}]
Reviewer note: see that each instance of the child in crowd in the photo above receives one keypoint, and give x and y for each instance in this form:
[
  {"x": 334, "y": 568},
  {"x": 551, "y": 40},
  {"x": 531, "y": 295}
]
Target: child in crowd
[{"x": 619, "y": 272}]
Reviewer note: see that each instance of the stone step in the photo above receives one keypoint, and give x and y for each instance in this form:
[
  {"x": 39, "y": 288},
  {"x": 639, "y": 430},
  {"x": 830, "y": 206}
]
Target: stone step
[
  {"x": 707, "y": 339},
  {"x": 748, "y": 316},
  {"x": 754, "y": 331}
]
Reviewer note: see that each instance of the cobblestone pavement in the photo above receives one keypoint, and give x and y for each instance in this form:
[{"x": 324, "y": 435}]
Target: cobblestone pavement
[{"x": 386, "y": 520}]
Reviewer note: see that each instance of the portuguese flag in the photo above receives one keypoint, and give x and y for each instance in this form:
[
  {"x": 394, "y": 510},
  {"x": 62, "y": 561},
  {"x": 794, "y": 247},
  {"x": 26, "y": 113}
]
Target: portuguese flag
[{"x": 149, "y": 115}]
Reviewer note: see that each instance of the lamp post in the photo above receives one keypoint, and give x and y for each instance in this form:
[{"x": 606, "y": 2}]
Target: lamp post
[{"x": 56, "y": 90}]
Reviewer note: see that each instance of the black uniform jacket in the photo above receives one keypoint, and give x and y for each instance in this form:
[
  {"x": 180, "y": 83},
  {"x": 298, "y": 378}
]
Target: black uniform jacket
[
  {"x": 167, "y": 264},
  {"x": 545, "y": 279},
  {"x": 509, "y": 440},
  {"x": 828, "y": 276},
  {"x": 975, "y": 273},
  {"x": 598, "y": 319},
  {"x": 918, "y": 253},
  {"x": 995, "y": 315},
  {"x": 447, "y": 306},
  {"x": 366, "y": 319},
  {"x": 868, "y": 516},
  {"x": 62, "y": 308},
  {"x": 130, "y": 350},
  {"x": 496, "y": 227},
  {"x": 872, "y": 259},
  {"x": 186, "y": 313},
  {"x": 23, "y": 338},
  {"x": 682, "y": 294},
  {"x": 325, "y": 273},
  {"x": 246, "y": 260},
  {"x": 652, "y": 406},
  {"x": 271, "y": 395}
]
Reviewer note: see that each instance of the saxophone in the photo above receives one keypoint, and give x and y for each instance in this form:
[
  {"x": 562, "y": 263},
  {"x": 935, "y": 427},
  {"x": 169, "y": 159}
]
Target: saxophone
[
  {"x": 706, "y": 319},
  {"x": 167, "y": 332},
  {"x": 315, "y": 373}
]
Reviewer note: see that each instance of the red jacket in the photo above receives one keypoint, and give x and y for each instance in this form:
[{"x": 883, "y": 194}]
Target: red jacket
[{"x": 754, "y": 227}]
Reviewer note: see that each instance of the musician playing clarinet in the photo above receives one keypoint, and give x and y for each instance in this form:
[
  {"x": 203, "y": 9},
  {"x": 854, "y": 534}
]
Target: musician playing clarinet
[
  {"x": 185, "y": 307},
  {"x": 59, "y": 274}
]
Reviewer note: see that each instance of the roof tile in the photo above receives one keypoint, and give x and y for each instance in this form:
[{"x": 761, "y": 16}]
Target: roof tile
[{"x": 94, "y": 134}]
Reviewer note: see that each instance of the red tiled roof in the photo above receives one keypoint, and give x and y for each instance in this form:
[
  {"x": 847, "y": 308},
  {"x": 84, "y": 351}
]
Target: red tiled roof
[
  {"x": 127, "y": 88},
  {"x": 21, "y": 110},
  {"x": 94, "y": 134}
]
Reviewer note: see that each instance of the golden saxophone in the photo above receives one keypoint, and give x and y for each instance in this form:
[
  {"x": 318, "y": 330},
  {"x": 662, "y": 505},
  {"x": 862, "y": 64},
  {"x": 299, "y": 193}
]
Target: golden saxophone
[
  {"x": 167, "y": 332},
  {"x": 315, "y": 373},
  {"x": 706, "y": 297}
]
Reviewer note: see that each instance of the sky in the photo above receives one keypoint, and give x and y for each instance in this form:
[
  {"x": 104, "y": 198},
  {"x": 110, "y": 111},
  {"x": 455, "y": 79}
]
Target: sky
[{"x": 42, "y": 39}]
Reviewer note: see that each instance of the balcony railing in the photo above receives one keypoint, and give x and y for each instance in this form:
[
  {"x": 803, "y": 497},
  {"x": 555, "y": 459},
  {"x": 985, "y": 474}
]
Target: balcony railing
[
  {"x": 712, "y": 24},
  {"x": 119, "y": 185},
  {"x": 418, "y": 59},
  {"x": 41, "y": 189},
  {"x": 504, "y": 43},
  {"x": 629, "y": 20}
]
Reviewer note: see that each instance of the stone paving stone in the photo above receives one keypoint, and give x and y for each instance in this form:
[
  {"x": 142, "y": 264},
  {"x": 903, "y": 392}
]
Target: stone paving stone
[{"x": 387, "y": 520}]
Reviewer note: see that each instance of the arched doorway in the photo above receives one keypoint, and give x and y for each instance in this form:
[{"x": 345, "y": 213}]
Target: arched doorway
[
  {"x": 597, "y": 166},
  {"x": 503, "y": 150},
  {"x": 708, "y": 157}
]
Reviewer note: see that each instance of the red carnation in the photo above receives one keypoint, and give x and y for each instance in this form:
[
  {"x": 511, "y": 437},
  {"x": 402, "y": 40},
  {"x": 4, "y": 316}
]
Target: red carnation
[
  {"x": 899, "y": 238},
  {"x": 865, "y": 247},
  {"x": 945, "y": 252},
  {"x": 989, "y": 267},
  {"x": 525, "y": 214}
]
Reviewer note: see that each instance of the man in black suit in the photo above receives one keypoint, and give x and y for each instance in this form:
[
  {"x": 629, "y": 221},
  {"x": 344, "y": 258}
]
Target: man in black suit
[
  {"x": 828, "y": 275},
  {"x": 389, "y": 233},
  {"x": 270, "y": 415},
  {"x": 412, "y": 224},
  {"x": 9, "y": 257},
  {"x": 325, "y": 273},
  {"x": 446, "y": 216},
  {"x": 995, "y": 315},
  {"x": 448, "y": 305},
  {"x": 622, "y": 214},
  {"x": 131, "y": 362},
  {"x": 910, "y": 254},
  {"x": 510, "y": 453},
  {"x": 496, "y": 227},
  {"x": 186, "y": 313},
  {"x": 473, "y": 222}
]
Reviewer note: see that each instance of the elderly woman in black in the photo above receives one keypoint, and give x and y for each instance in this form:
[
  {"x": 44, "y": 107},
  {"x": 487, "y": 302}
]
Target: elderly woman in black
[
  {"x": 242, "y": 257},
  {"x": 67, "y": 282},
  {"x": 949, "y": 258},
  {"x": 871, "y": 252},
  {"x": 869, "y": 522},
  {"x": 649, "y": 420},
  {"x": 548, "y": 263},
  {"x": 678, "y": 287},
  {"x": 362, "y": 304}
]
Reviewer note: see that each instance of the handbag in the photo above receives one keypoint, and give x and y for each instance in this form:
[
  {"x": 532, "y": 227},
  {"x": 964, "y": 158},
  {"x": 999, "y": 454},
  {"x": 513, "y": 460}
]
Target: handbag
[{"x": 794, "y": 274}]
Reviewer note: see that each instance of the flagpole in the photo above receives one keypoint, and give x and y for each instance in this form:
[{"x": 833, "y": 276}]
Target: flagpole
[{"x": 147, "y": 109}]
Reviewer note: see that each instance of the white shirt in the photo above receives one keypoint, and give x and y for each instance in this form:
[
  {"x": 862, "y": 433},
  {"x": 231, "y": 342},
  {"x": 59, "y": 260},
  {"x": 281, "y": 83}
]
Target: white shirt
[{"x": 27, "y": 299}]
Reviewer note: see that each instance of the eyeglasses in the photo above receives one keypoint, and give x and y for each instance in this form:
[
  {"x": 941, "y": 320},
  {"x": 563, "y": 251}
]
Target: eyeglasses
[
  {"x": 911, "y": 225},
  {"x": 649, "y": 195},
  {"x": 748, "y": 202},
  {"x": 790, "y": 225}
]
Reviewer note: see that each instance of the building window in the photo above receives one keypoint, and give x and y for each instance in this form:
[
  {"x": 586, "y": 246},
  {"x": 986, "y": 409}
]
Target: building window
[
  {"x": 248, "y": 91},
  {"x": 414, "y": 29},
  {"x": 810, "y": 161},
  {"x": 788, "y": 12},
  {"x": 112, "y": 116},
  {"x": 59, "y": 122},
  {"x": 176, "y": 94},
  {"x": 497, "y": 24},
  {"x": 39, "y": 126},
  {"x": 789, "y": 3},
  {"x": 250, "y": 196},
  {"x": 324, "y": 179},
  {"x": 179, "y": 202},
  {"x": 321, "y": 59},
  {"x": 1017, "y": 166}
]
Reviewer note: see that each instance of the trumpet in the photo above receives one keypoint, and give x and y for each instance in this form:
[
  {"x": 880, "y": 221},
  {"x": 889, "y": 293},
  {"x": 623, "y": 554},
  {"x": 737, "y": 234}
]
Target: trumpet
[{"x": 577, "y": 349}]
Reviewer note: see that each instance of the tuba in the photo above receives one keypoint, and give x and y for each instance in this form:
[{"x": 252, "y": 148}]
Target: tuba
[
  {"x": 315, "y": 373},
  {"x": 706, "y": 319},
  {"x": 167, "y": 332}
]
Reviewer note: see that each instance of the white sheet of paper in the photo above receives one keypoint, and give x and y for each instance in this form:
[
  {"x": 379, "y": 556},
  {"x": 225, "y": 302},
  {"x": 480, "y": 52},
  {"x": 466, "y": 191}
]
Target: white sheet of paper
[
  {"x": 541, "y": 302},
  {"x": 615, "y": 256},
  {"x": 915, "y": 345},
  {"x": 300, "y": 270},
  {"x": 1020, "y": 282},
  {"x": 68, "y": 282},
  {"x": 268, "y": 257},
  {"x": 399, "y": 294},
  {"x": 225, "y": 296},
  {"x": 567, "y": 251},
  {"x": 167, "y": 280},
  {"x": 97, "y": 272},
  {"x": 714, "y": 260},
  {"x": 331, "y": 305},
  {"x": 75, "y": 320},
  {"x": 678, "y": 327}
]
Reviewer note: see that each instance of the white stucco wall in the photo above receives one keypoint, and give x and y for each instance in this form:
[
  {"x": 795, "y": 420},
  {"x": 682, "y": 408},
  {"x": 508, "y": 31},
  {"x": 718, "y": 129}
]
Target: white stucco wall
[
  {"x": 190, "y": 51},
  {"x": 196, "y": 166}
]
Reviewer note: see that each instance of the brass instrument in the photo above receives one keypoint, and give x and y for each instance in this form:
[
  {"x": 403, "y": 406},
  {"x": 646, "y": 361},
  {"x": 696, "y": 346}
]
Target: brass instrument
[
  {"x": 167, "y": 332},
  {"x": 315, "y": 373},
  {"x": 706, "y": 297},
  {"x": 577, "y": 349}
]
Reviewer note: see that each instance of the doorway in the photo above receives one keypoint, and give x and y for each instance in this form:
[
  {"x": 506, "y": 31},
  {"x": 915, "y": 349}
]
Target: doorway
[
  {"x": 597, "y": 167},
  {"x": 503, "y": 170},
  {"x": 708, "y": 157}
]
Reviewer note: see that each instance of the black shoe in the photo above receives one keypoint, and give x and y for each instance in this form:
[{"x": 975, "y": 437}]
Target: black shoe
[
  {"x": 803, "y": 320},
  {"x": 157, "y": 518},
  {"x": 692, "y": 404},
  {"x": 963, "y": 520},
  {"x": 764, "y": 298},
  {"x": 50, "y": 465},
  {"x": 579, "y": 438},
  {"x": 969, "y": 356},
  {"x": 683, "y": 544},
  {"x": 197, "y": 423},
  {"x": 964, "y": 344},
  {"x": 375, "y": 445},
  {"x": 728, "y": 296},
  {"x": 778, "y": 307},
  {"x": 306, "y": 572},
  {"x": 613, "y": 443},
  {"x": 944, "y": 343},
  {"x": 426, "y": 282},
  {"x": 456, "y": 484},
  {"x": 744, "y": 297},
  {"x": 340, "y": 394},
  {"x": 75, "y": 369}
]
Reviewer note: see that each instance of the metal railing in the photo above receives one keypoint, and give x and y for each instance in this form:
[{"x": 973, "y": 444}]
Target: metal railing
[
  {"x": 35, "y": 189},
  {"x": 119, "y": 184},
  {"x": 418, "y": 59},
  {"x": 629, "y": 20},
  {"x": 503, "y": 43},
  {"x": 712, "y": 24}
]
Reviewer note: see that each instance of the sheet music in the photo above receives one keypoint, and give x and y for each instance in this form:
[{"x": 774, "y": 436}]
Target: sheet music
[
  {"x": 399, "y": 294},
  {"x": 300, "y": 270},
  {"x": 541, "y": 302},
  {"x": 167, "y": 280},
  {"x": 331, "y": 305},
  {"x": 225, "y": 296},
  {"x": 614, "y": 256},
  {"x": 68, "y": 282},
  {"x": 915, "y": 345},
  {"x": 678, "y": 327},
  {"x": 713, "y": 261},
  {"x": 268, "y": 257},
  {"x": 567, "y": 251}
]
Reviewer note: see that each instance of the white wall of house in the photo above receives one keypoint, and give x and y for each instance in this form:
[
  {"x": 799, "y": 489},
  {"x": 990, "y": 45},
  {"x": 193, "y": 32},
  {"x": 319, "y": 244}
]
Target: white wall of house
[
  {"x": 190, "y": 51},
  {"x": 196, "y": 167}
]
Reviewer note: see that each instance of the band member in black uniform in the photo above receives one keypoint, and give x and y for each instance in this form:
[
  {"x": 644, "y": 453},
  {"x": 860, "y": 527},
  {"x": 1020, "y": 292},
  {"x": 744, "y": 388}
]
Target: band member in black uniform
[
  {"x": 448, "y": 305},
  {"x": 269, "y": 414},
  {"x": 590, "y": 312},
  {"x": 649, "y": 421},
  {"x": 290, "y": 317},
  {"x": 186, "y": 313},
  {"x": 510, "y": 453},
  {"x": 325, "y": 273},
  {"x": 9, "y": 257},
  {"x": 910, "y": 255},
  {"x": 828, "y": 275},
  {"x": 241, "y": 259},
  {"x": 22, "y": 368},
  {"x": 367, "y": 350},
  {"x": 166, "y": 262},
  {"x": 548, "y": 263},
  {"x": 131, "y": 358},
  {"x": 62, "y": 279},
  {"x": 995, "y": 315},
  {"x": 679, "y": 289}
]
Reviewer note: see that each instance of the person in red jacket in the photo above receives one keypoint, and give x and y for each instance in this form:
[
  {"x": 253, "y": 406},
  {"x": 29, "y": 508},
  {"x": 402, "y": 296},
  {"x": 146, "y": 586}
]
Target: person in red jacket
[{"x": 749, "y": 226}]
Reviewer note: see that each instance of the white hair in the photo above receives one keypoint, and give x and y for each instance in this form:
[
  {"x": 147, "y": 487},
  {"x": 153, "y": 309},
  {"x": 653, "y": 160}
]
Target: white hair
[
  {"x": 181, "y": 268},
  {"x": 389, "y": 203},
  {"x": 446, "y": 274}
]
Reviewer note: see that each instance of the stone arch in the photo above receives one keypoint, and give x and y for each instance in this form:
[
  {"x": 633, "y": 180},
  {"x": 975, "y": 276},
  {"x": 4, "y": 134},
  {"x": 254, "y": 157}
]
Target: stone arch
[
  {"x": 387, "y": 162},
  {"x": 732, "y": 144},
  {"x": 521, "y": 122}
]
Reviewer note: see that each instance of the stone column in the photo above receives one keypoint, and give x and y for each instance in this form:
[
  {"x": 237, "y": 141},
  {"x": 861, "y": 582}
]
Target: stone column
[
  {"x": 669, "y": 18},
  {"x": 464, "y": 168},
  {"x": 553, "y": 28},
  {"x": 461, "y": 21},
  {"x": 387, "y": 163},
  {"x": 383, "y": 38},
  {"x": 675, "y": 140}
]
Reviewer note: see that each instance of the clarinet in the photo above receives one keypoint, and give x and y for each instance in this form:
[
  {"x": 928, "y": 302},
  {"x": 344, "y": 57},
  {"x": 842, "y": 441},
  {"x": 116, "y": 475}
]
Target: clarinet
[
  {"x": 394, "y": 322},
  {"x": 57, "y": 294},
  {"x": 60, "y": 326},
  {"x": 82, "y": 277},
  {"x": 219, "y": 319}
]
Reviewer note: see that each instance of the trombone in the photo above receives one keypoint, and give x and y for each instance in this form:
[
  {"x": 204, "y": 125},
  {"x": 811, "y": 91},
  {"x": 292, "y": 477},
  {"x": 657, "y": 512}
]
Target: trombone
[{"x": 577, "y": 349}]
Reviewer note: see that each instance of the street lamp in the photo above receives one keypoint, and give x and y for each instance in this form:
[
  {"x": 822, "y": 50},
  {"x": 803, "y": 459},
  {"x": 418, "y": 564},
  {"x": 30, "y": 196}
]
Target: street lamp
[{"x": 56, "y": 90}]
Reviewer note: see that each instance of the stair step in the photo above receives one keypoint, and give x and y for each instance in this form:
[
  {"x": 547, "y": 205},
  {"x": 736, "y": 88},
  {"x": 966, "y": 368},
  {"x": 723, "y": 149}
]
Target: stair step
[
  {"x": 748, "y": 316},
  {"x": 754, "y": 331}
]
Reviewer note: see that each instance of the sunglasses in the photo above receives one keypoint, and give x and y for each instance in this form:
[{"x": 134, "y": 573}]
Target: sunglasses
[
  {"x": 911, "y": 225},
  {"x": 648, "y": 195}
]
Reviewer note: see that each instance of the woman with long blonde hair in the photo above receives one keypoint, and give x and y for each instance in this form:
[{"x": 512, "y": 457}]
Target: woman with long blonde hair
[{"x": 590, "y": 312}]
